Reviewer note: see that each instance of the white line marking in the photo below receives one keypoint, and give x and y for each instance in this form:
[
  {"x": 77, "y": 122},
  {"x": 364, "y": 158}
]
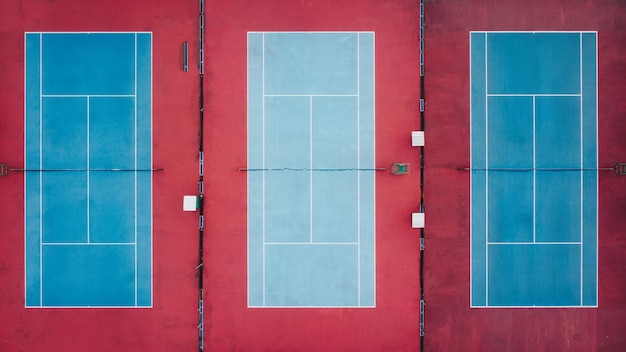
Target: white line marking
[
  {"x": 89, "y": 307},
  {"x": 263, "y": 152},
  {"x": 311, "y": 168},
  {"x": 486, "y": 178},
  {"x": 532, "y": 95},
  {"x": 90, "y": 32},
  {"x": 88, "y": 174},
  {"x": 358, "y": 164},
  {"x": 582, "y": 209},
  {"x": 534, "y": 170},
  {"x": 581, "y": 126},
  {"x": 526, "y": 32},
  {"x": 135, "y": 161},
  {"x": 25, "y": 165},
  {"x": 151, "y": 182},
  {"x": 88, "y": 244},
  {"x": 596, "y": 163},
  {"x": 87, "y": 95},
  {"x": 311, "y": 95},
  {"x": 248, "y": 165},
  {"x": 533, "y": 243},
  {"x": 537, "y": 307},
  {"x": 311, "y": 32},
  {"x": 470, "y": 177},
  {"x": 374, "y": 163},
  {"x": 310, "y": 243},
  {"x": 313, "y": 307},
  {"x": 41, "y": 167}
]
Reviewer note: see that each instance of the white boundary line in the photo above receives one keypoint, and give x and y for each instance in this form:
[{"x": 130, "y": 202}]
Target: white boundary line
[
  {"x": 534, "y": 243},
  {"x": 532, "y": 95},
  {"x": 358, "y": 165},
  {"x": 310, "y": 95},
  {"x": 41, "y": 96},
  {"x": 471, "y": 232},
  {"x": 263, "y": 153},
  {"x": 314, "y": 307},
  {"x": 151, "y": 234},
  {"x": 88, "y": 244},
  {"x": 533, "y": 306},
  {"x": 310, "y": 243},
  {"x": 582, "y": 145},
  {"x": 534, "y": 169},
  {"x": 374, "y": 161},
  {"x": 597, "y": 172},
  {"x": 41, "y": 167},
  {"x": 526, "y": 32},
  {"x": 25, "y": 179},
  {"x": 90, "y": 32},
  {"x": 248, "y": 165},
  {"x": 87, "y": 95},
  {"x": 135, "y": 159},
  {"x": 311, "y": 32},
  {"x": 486, "y": 175},
  {"x": 263, "y": 173},
  {"x": 88, "y": 173},
  {"x": 597, "y": 156},
  {"x": 311, "y": 168},
  {"x": 89, "y": 307}
]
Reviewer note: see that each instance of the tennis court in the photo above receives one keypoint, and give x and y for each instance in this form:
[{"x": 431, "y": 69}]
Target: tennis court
[
  {"x": 534, "y": 169},
  {"x": 88, "y": 162},
  {"x": 311, "y": 169}
]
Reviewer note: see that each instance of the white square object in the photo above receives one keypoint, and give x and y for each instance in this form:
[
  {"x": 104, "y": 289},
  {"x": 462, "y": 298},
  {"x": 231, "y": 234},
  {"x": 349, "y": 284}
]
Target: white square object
[
  {"x": 190, "y": 203},
  {"x": 418, "y": 220},
  {"x": 417, "y": 138}
]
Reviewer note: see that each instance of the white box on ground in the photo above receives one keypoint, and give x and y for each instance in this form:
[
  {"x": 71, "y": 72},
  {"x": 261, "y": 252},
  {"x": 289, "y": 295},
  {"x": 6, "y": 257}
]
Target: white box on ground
[
  {"x": 418, "y": 220},
  {"x": 190, "y": 203},
  {"x": 417, "y": 138}
]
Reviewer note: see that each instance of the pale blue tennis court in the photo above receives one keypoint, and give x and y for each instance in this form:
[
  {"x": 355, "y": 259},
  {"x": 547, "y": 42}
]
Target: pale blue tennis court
[
  {"x": 311, "y": 231},
  {"x": 534, "y": 162},
  {"x": 88, "y": 152}
]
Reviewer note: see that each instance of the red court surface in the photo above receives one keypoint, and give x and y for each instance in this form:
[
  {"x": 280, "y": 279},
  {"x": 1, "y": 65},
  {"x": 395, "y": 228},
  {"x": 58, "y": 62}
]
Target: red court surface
[
  {"x": 171, "y": 325},
  {"x": 450, "y": 324},
  {"x": 393, "y": 325}
]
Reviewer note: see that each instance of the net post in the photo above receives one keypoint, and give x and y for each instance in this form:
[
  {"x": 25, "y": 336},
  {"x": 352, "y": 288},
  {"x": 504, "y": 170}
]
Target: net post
[{"x": 4, "y": 169}]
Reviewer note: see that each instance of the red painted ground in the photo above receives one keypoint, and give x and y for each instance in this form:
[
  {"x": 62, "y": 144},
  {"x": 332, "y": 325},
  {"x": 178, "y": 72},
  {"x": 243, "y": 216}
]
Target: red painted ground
[
  {"x": 393, "y": 326},
  {"x": 450, "y": 324},
  {"x": 172, "y": 324}
]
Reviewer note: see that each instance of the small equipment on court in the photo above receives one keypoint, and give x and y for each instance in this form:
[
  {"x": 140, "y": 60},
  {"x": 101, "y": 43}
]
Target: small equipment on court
[{"x": 400, "y": 169}]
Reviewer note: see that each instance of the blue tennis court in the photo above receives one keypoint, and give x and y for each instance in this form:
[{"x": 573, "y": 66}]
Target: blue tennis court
[
  {"x": 534, "y": 161},
  {"x": 311, "y": 169},
  {"x": 88, "y": 157}
]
